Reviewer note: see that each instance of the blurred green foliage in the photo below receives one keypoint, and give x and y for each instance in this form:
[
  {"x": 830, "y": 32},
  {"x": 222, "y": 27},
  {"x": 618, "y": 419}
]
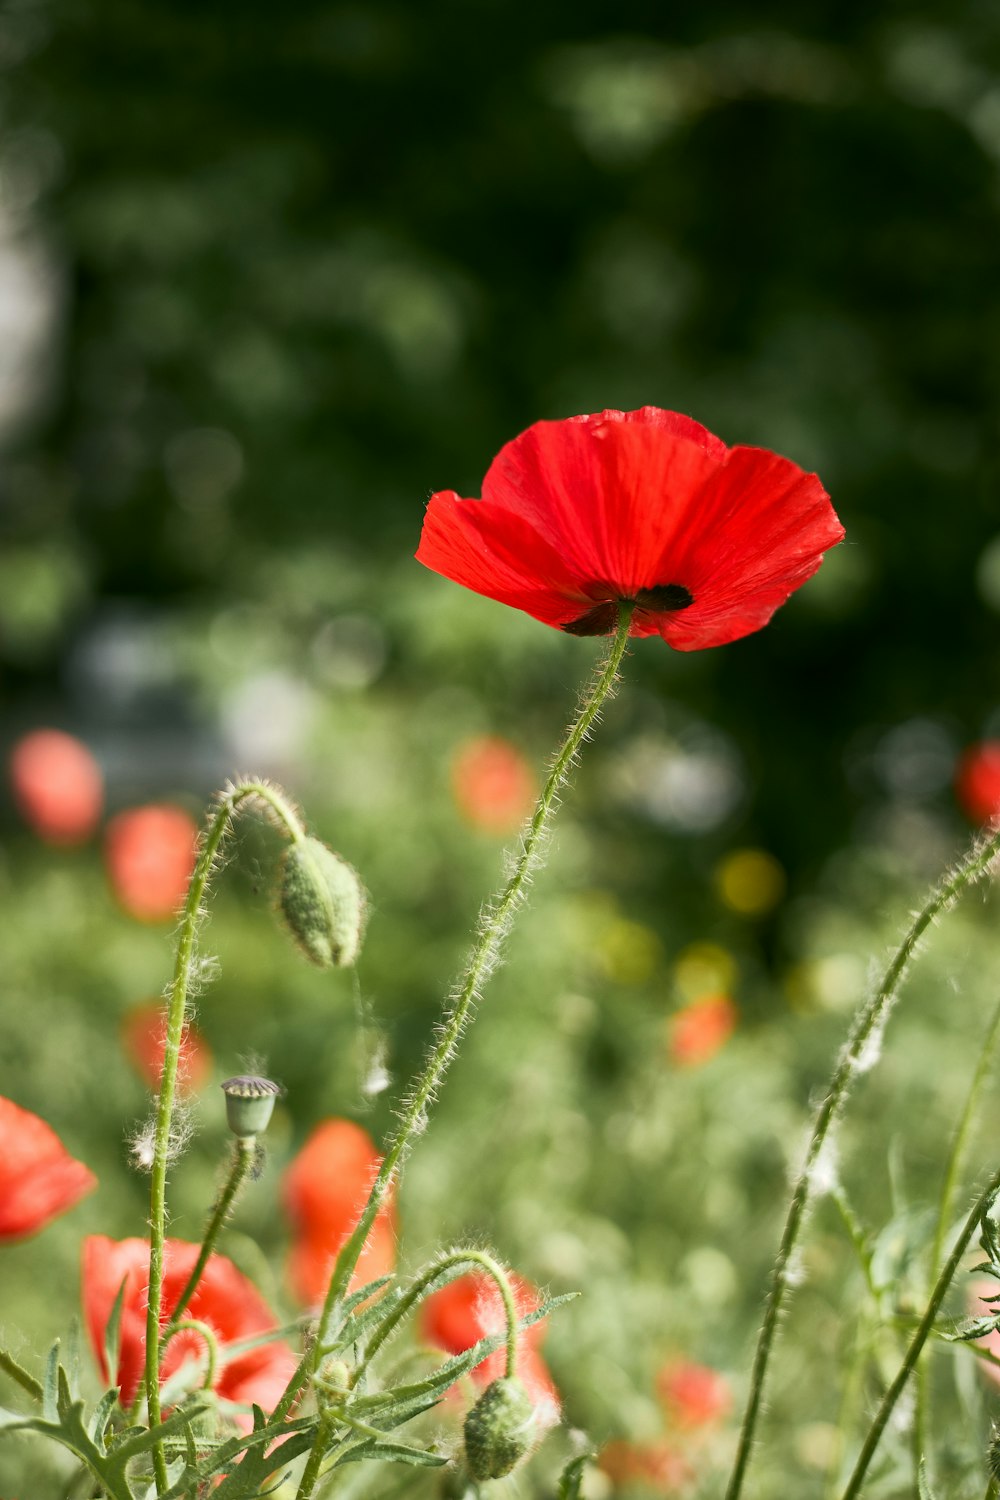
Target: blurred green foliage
[{"x": 266, "y": 281}]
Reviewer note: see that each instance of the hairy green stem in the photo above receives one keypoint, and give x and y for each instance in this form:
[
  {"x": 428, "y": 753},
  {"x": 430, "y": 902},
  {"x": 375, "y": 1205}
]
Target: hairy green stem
[
  {"x": 452, "y": 1260},
  {"x": 853, "y": 1060},
  {"x": 211, "y": 1344},
  {"x": 982, "y": 1207},
  {"x": 27, "y": 1382},
  {"x": 493, "y": 927},
  {"x": 176, "y": 1010},
  {"x": 243, "y": 1159},
  {"x": 948, "y": 1186}
]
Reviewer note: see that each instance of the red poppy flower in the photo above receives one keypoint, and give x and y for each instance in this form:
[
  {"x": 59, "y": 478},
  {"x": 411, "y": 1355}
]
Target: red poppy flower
[
  {"x": 57, "y": 786},
  {"x": 694, "y": 1395},
  {"x": 644, "y": 507},
  {"x": 471, "y": 1308},
  {"x": 144, "y": 1038},
  {"x": 494, "y": 786},
  {"x": 656, "y": 1466},
  {"x": 150, "y": 853},
  {"x": 325, "y": 1189},
  {"x": 977, "y": 782},
  {"x": 38, "y": 1177},
  {"x": 699, "y": 1030},
  {"x": 225, "y": 1300}
]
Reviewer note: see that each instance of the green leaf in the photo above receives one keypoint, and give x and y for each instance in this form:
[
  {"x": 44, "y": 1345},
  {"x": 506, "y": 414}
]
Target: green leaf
[
  {"x": 924, "y": 1491},
  {"x": 572, "y": 1477},
  {"x": 101, "y": 1417},
  {"x": 112, "y": 1333},
  {"x": 971, "y": 1328},
  {"x": 391, "y": 1453},
  {"x": 50, "y": 1411}
]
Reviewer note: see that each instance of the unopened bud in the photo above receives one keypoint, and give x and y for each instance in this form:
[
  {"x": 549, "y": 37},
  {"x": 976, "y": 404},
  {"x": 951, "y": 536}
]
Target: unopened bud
[
  {"x": 323, "y": 902},
  {"x": 249, "y": 1104},
  {"x": 499, "y": 1429}
]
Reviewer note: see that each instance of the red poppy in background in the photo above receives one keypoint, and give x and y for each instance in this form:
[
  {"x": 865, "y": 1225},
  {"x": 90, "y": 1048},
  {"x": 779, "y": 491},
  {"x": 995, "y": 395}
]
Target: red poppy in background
[
  {"x": 644, "y": 507},
  {"x": 494, "y": 786},
  {"x": 144, "y": 1039},
  {"x": 325, "y": 1189},
  {"x": 656, "y": 1466},
  {"x": 694, "y": 1395},
  {"x": 471, "y": 1308},
  {"x": 698, "y": 1031},
  {"x": 977, "y": 782},
  {"x": 38, "y": 1177},
  {"x": 57, "y": 786},
  {"x": 225, "y": 1300},
  {"x": 150, "y": 853}
]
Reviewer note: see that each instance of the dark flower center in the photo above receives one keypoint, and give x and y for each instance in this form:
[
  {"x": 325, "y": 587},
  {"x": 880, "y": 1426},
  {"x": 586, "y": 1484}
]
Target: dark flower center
[{"x": 663, "y": 598}]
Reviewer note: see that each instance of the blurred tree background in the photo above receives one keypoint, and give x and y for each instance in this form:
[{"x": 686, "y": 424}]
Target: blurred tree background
[{"x": 267, "y": 280}]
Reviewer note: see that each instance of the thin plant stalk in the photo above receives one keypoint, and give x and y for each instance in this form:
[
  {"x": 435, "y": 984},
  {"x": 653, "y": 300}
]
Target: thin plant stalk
[
  {"x": 949, "y": 1184},
  {"x": 243, "y": 1159},
  {"x": 981, "y": 1207},
  {"x": 493, "y": 927},
  {"x": 176, "y": 1010},
  {"x": 856, "y": 1057}
]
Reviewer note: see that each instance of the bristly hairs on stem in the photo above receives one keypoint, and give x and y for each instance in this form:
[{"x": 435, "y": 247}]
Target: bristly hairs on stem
[
  {"x": 209, "y": 851},
  {"x": 494, "y": 924},
  {"x": 857, "y": 1056}
]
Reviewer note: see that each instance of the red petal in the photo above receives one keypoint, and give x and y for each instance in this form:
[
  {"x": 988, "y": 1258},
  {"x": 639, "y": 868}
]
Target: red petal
[
  {"x": 607, "y": 491},
  {"x": 38, "y": 1177}
]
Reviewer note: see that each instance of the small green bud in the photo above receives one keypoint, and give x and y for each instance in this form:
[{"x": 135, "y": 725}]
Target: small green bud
[
  {"x": 499, "y": 1429},
  {"x": 249, "y": 1104},
  {"x": 323, "y": 902}
]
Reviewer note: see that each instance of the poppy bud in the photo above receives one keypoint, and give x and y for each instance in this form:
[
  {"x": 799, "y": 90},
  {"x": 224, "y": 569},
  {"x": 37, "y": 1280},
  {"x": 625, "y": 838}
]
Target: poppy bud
[
  {"x": 323, "y": 902},
  {"x": 499, "y": 1429},
  {"x": 249, "y": 1104}
]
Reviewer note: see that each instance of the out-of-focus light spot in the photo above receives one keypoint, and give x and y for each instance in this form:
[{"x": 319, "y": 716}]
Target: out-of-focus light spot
[
  {"x": 819, "y": 1445},
  {"x": 349, "y": 652},
  {"x": 843, "y": 582},
  {"x": 710, "y": 1274},
  {"x": 31, "y": 293},
  {"x": 203, "y": 465},
  {"x": 988, "y": 574},
  {"x": 267, "y": 717},
  {"x": 629, "y": 953},
  {"x": 750, "y": 881},
  {"x": 835, "y": 982},
  {"x": 493, "y": 784},
  {"x": 690, "y": 784},
  {"x": 915, "y": 759},
  {"x": 702, "y": 969},
  {"x": 697, "y": 1031}
]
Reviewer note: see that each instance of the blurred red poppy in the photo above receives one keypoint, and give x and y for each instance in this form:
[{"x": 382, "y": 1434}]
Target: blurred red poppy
[
  {"x": 644, "y": 507},
  {"x": 38, "y": 1177},
  {"x": 471, "y": 1308},
  {"x": 655, "y": 1466},
  {"x": 144, "y": 1037},
  {"x": 698, "y": 1031},
  {"x": 150, "y": 853},
  {"x": 977, "y": 782},
  {"x": 325, "y": 1189},
  {"x": 57, "y": 786},
  {"x": 225, "y": 1300},
  {"x": 494, "y": 786},
  {"x": 694, "y": 1395}
]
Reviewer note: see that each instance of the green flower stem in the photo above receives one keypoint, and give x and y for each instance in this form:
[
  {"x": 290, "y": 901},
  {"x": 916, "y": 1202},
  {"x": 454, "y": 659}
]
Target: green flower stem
[
  {"x": 180, "y": 987},
  {"x": 494, "y": 924},
  {"x": 211, "y": 1345},
  {"x": 865, "y": 1031},
  {"x": 453, "y": 1260},
  {"x": 982, "y": 1207},
  {"x": 948, "y": 1186},
  {"x": 27, "y": 1382},
  {"x": 243, "y": 1159}
]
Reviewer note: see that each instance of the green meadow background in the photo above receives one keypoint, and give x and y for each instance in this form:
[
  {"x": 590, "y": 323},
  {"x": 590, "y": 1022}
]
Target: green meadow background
[{"x": 269, "y": 278}]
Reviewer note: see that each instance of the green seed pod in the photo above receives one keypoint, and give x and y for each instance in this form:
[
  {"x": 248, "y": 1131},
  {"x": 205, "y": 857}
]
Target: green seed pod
[
  {"x": 249, "y": 1104},
  {"x": 323, "y": 902},
  {"x": 499, "y": 1429}
]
